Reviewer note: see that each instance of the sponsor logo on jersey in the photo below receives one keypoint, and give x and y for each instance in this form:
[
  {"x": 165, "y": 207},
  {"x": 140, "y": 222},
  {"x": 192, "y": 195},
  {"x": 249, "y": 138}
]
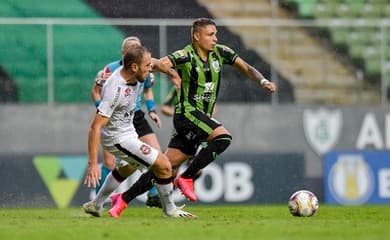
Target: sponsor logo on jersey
[
  {"x": 216, "y": 66},
  {"x": 207, "y": 97},
  {"x": 145, "y": 149},
  {"x": 127, "y": 91},
  {"x": 208, "y": 87},
  {"x": 180, "y": 54}
]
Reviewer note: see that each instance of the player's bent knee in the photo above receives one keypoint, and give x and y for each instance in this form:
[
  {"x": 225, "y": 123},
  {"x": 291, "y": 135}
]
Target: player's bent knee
[
  {"x": 126, "y": 171},
  {"x": 222, "y": 142},
  {"x": 162, "y": 167}
]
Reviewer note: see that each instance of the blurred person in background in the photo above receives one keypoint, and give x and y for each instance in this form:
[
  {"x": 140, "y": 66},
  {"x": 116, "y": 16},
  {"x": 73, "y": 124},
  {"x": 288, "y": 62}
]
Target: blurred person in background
[{"x": 167, "y": 107}]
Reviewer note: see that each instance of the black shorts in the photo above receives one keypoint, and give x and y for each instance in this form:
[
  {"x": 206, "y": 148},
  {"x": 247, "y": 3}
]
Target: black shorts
[
  {"x": 191, "y": 129},
  {"x": 142, "y": 126}
]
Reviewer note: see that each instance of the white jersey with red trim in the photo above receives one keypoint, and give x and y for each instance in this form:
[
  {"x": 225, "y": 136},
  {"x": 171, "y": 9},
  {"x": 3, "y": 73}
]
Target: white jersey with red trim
[{"x": 118, "y": 103}]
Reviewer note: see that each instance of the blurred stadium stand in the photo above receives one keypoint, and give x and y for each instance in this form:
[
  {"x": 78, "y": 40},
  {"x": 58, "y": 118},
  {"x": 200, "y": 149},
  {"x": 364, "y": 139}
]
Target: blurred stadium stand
[
  {"x": 79, "y": 51},
  {"x": 316, "y": 69},
  {"x": 232, "y": 88},
  {"x": 8, "y": 90},
  {"x": 359, "y": 45},
  {"x": 313, "y": 65}
]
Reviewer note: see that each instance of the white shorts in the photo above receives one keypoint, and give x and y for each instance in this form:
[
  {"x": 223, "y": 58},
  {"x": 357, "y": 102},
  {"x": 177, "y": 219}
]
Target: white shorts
[{"x": 134, "y": 152}]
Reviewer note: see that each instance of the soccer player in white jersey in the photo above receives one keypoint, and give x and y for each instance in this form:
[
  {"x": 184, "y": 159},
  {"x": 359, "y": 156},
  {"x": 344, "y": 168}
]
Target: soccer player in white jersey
[
  {"x": 145, "y": 133},
  {"x": 113, "y": 127},
  {"x": 116, "y": 173}
]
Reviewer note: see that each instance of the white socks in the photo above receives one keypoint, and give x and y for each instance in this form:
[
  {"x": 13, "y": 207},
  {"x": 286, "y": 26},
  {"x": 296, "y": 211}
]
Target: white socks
[
  {"x": 165, "y": 191},
  {"x": 109, "y": 186}
]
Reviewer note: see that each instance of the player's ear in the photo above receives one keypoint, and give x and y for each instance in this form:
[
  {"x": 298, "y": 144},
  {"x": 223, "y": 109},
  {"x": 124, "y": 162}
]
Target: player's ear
[
  {"x": 196, "y": 36},
  {"x": 134, "y": 67}
]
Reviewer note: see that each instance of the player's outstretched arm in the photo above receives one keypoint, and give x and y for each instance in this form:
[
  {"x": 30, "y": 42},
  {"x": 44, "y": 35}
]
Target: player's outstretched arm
[
  {"x": 164, "y": 65},
  {"x": 254, "y": 74}
]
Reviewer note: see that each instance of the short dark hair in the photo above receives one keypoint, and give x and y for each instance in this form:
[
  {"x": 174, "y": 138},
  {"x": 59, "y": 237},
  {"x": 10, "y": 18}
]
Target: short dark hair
[
  {"x": 133, "y": 54},
  {"x": 200, "y": 23}
]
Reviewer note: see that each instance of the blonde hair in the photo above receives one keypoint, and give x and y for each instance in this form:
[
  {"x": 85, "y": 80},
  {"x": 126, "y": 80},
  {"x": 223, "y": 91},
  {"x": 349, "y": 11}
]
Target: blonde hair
[{"x": 130, "y": 40}]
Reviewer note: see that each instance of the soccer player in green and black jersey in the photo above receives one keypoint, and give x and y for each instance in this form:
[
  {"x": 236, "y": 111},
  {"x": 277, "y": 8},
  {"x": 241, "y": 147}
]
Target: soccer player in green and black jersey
[{"x": 199, "y": 66}]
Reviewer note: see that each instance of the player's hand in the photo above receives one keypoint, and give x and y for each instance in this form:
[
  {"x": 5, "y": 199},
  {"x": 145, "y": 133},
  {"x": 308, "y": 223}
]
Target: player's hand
[
  {"x": 270, "y": 86},
  {"x": 101, "y": 77},
  {"x": 176, "y": 81},
  {"x": 105, "y": 76},
  {"x": 167, "y": 110},
  {"x": 153, "y": 115},
  {"x": 93, "y": 175},
  {"x": 175, "y": 78}
]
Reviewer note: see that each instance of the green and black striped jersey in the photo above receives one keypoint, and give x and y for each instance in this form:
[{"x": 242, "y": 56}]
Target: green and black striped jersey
[{"x": 200, "y": 80}]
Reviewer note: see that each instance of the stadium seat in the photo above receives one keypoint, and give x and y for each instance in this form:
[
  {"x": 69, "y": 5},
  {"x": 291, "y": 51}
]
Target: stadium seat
[
  {"x": 306, "y": 7},
  {"x": 375, "y": 38},
  {"x": 386, "y": 11},
  {"x": 340, "y": 35},
  {"x": 345, "y": 10},
  {"x": 356, "y": 51},
  {"x": 49, "y": 8},
  {"x": 372, "y": 52},
  {"x": 7, "y": 10},
  {"x": 73, "y": 46},
  {"x": 356, "y": 37},
  {"x": 371, "y": 10},
  {"x": 363, "y": 43},
  {"x": 325, "y": 10},
  {"x": 373, "y": 68}
]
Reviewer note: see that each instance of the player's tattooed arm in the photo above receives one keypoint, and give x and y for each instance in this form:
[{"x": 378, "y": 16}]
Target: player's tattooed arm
[
  {"x": 253, "y": 74},
  {"x": 166, "y": 67}
]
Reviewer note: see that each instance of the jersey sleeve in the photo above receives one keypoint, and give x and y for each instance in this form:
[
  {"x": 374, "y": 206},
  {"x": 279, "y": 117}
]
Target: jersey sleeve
[
  {"x": 228, "y": 55},
  {"x": 178, "y": 57},
  {"x": 109, "y": 101}
]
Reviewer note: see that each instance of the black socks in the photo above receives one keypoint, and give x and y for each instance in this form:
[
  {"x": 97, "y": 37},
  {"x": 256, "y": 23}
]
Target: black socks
[
  {"x": 207, "y": 155},
  {"x": 143, "y": 184}
]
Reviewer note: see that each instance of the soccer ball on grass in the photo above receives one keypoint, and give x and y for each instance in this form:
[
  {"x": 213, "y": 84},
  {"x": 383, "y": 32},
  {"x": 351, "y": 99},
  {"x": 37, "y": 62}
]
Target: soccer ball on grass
[{"x": 303, "y": 203}]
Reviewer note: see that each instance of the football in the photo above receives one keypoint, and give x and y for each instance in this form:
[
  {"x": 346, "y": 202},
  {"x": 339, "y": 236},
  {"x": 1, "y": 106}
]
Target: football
[{"x": 303, "y": 203}]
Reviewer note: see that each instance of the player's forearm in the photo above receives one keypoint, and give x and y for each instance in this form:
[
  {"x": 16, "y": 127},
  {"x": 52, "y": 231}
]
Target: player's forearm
[
  {"x": 93, "y": 145},
  {"x": 255, "y": 75},
  {"x": 167, "y": 110},
  {"x": 159, "y": 66},
  {"x": 148, "y": 94},
  {"x": 164, "y": 68},
  {"x": 95, "y": 94}
]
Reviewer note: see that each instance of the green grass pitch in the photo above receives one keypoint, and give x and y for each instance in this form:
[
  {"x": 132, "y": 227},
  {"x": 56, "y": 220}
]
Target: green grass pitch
[{"x": 214, "y": 222}]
